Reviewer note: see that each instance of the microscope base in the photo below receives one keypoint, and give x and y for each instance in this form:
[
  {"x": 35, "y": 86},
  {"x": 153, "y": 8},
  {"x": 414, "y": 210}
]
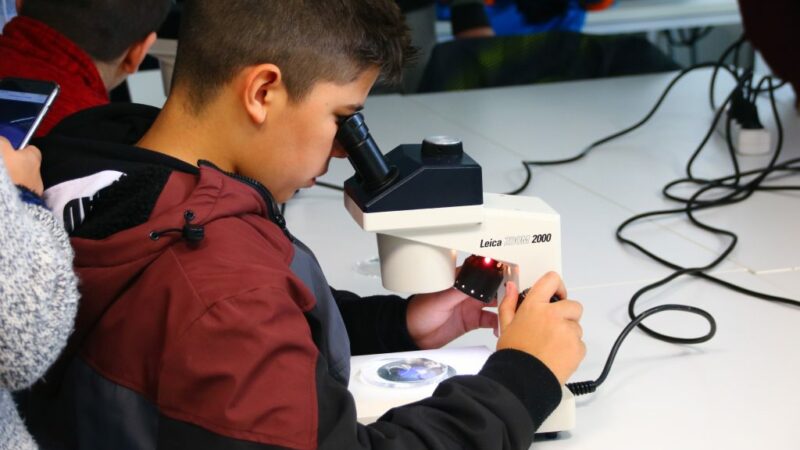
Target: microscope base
[
  {"x": 563, "y": 418},
  {"x": 373, "y": 401}
]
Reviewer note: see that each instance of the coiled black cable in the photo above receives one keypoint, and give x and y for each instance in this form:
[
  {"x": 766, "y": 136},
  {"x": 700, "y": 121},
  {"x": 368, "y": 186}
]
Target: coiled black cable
[
  {"x": 587, "y": 387},
  {"x": 737, "y": 192}
]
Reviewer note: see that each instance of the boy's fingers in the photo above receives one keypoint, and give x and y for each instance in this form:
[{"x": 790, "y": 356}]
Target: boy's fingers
[
  {"x": 487, "y": 319},
  {"x": 569, "y": 309},
  {"x": 546, "y": 287},
  {"x": 576, "y": 328},
  {"x": 509, "y": 305},
  {"x": 32, "y": 152},
  {"x": 5, "y": 146}
]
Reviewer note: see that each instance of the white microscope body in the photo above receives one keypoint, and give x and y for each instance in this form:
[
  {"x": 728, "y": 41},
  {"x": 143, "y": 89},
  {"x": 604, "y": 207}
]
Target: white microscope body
[
  {"x": 426, "y": 203},
  {"x": 418, "y": 250}
]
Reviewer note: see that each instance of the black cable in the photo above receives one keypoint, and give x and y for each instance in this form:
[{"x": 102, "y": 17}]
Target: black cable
[
  {"x": 718, "y": 114},
  {"x": 587, "y": 387},
  {"x": 738, "y": 192},
  {"x": 721, "y": 63},
  {"x": 593, "y": 145},
  {"x": 694, "y": 203},
  {"x": 330, "y": 186}
]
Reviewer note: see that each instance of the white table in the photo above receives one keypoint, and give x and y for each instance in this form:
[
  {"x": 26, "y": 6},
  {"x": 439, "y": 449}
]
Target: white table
[
  {"x": 648, "y": 16},
  {"x": 735, "y": 392},
  {"x": 637, "y": 16}
]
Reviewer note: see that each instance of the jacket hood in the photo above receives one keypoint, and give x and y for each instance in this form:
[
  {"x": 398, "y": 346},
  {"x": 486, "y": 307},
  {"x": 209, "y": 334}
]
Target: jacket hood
[
  {"x": 108, "y": 266},
  {"x": 98, "y": 139},
  {"x": 116, "y": 123},
  {"x": 141, "y": 217}
]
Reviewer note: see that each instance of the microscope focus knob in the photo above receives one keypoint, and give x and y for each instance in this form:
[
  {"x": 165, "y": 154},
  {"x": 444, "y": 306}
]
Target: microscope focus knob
[{"x": 438, "y": 146}]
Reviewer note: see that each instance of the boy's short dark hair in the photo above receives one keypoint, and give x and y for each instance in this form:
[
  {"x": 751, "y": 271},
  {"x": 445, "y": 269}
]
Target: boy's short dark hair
[
  {"x": 309, "y": 40},
  {"x": 102, "y": 28}
]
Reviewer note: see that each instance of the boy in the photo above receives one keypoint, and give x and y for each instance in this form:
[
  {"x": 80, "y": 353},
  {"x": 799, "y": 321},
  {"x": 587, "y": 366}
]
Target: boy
[
  {"x": 88, "y": 47},
  {"x": 204, "y": 323}
]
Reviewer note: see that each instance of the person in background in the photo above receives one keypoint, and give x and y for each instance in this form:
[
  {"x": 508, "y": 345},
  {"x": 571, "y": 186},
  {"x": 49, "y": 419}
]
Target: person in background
[
  {"x": 519, "y": 17},
  {"x": 88, "y": 47},
  {"x": 770, "y": 27},
  {"x": 468, "y": 20},
  {"x": 38, "y": 289}
]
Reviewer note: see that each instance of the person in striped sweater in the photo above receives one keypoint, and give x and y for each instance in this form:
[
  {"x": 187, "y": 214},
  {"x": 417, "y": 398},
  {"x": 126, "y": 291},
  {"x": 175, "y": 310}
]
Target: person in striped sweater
[{"x": 38, "y": 289}]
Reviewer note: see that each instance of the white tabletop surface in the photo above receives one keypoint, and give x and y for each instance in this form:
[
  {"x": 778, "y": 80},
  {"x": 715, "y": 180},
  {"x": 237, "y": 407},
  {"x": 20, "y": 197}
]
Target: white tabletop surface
[
  {"x": 735, "y": 392},
  {"x": 647, "y": 16},
  {"x": 632, "y": 16}
]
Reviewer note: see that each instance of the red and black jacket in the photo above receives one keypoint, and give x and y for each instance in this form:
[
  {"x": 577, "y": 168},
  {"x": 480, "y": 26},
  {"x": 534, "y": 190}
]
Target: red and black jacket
[{"x": 235, "y": 340}]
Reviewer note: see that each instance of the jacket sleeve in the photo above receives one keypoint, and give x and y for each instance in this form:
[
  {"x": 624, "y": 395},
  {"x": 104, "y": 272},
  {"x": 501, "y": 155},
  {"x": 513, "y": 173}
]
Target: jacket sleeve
[
  {"x": 375, "y": 324},
  {"x": 247, "y": 375},
  {"x": 38, "y": 289},
  {"x": 499, "y": 409}
]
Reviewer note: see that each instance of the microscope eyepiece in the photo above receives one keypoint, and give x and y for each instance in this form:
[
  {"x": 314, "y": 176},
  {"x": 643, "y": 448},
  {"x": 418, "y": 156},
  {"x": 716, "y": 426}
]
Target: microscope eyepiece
[{"x": 364, "y": 154}]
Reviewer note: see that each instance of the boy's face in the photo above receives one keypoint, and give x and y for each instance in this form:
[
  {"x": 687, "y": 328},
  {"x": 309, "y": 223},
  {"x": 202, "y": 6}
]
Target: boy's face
[{"x": 299, "y": 136}]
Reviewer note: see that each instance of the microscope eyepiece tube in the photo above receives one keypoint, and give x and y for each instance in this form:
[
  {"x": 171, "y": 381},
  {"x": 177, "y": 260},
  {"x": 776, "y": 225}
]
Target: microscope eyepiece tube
[{"x": 364, "y": 154}]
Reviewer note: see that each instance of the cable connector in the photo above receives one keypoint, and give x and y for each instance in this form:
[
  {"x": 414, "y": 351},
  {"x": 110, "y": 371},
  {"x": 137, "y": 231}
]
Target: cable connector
[
  {"x": 582, "y": 387},
  {"x": 748, "y": 135}
]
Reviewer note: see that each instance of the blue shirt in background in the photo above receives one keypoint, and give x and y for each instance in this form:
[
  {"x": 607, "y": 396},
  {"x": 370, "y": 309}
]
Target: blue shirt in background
[
  {"x": 506, "y": 19},
  {"x": 8, "y": 9}
]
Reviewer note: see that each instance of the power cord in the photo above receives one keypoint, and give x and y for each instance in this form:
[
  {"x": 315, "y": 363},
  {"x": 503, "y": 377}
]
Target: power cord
[
  {"x": 587, "y": 387},
  {"x": 737, "y": 192},
  {"x": 527, "y": 164}
]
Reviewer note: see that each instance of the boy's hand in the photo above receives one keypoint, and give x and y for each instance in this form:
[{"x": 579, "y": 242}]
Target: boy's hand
[
  {"x": 23, "y": 165},
  {"x": 548, "y": 331},
  {"x": 435, "y": 319}
]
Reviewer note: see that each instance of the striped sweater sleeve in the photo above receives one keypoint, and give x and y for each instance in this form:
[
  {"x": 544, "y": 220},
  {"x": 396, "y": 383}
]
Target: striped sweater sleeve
[{"x": 38, "y": 289}]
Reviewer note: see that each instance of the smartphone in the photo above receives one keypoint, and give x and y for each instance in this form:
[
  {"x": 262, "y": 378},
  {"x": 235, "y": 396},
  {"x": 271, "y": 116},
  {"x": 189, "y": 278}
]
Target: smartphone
[{"x": 23, "y": 104}]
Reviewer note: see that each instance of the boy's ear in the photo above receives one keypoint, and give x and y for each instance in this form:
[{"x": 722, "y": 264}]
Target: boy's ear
[
  {"x": 262, "y": 86},
  {"x": 136, "y": 53}
]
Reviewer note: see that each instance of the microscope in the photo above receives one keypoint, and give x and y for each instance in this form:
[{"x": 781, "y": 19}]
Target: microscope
[{"x": 426, "y": 203}]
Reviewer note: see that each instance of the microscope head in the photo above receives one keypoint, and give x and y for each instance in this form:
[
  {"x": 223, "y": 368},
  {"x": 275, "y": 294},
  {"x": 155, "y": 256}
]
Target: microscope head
[
  {"x": 426, "y": 203},
  {"x": 434, "y": 174}
]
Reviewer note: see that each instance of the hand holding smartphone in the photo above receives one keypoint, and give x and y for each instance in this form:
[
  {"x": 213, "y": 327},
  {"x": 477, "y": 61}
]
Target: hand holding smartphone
[
  {"x": 23, "y": 105},
  {"x": 22, "y": 165}
]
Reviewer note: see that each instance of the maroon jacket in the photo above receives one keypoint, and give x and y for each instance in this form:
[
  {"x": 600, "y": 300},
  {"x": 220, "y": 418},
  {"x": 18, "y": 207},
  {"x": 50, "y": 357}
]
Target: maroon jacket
[
  {"x": 31, "y": 49},
  {"x": 230, "y": 339}
]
